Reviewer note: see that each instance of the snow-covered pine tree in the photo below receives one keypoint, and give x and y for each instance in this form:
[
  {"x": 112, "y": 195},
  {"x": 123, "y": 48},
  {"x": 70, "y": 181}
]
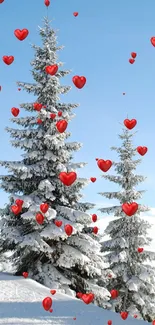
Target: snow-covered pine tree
[
  {"x": 132, "y": 274},
  {"x": 44, "y": 250}
]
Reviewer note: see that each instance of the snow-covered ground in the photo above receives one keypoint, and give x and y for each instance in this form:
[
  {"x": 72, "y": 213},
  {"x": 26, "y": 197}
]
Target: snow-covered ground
[{"x": 21, "y": 303}]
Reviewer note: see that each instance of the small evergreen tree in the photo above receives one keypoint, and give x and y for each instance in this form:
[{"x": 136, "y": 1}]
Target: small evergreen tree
[
  {"x": 39, "y": 228},
  {"x": 132, "y": 274}
]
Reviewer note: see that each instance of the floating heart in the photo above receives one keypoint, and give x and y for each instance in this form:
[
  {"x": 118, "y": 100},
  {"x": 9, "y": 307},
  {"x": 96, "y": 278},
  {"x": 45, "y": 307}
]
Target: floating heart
[
  {"x": 130, "y": 124},
  {"x": 96, "y": 159},
  {"x": 47, "y": 303},
  {"x": 25, "y": 274},
  {"x": 74, "y": 318},
  {"x": 37, "y": 106},
  {"x": 59, "y": 113},
  {"x": 16, "y": 209},
  {"x": 140, "y": 249},
  {"x": 94, "y": 217},
  {"x": 51, "y": 310},
  {"x": 75, "y": 14},
  {"x": 61, "y": 126},
  {"x": 8, "y": 59},
  {"x": 88, "y": 298},
  {"x": 135, "y": 316},
  {"x": 47, "y": 3},
  {"x": 95, "y": 230},
  {"x": 58, "y": 223},
  {"x": 67, "y": 178},
  {"x": 131, "y": 61},
  {"x": 124, "y": 314},
  {"x": 21, "y": 34},
  {"x": 109, "y": 322},
  {"x": 39, "y": 121},
  {"x": 93, "y": 179},
  {"x": 142, "y": 150},
  {"x": 114, "y": 293},
  {"x": 44, "y": 207},
  {"x": 19, "y": 202},
  {"x": 53, "y": 292},
  {"x": 130, "y": 208},
  {"x": 110, "y": 276},
  {"x": 133, "y": 54},
  {"x": 15, "y": 111},
  {"x": 19, "y": 89},
  {"x": 104, "y": 165},
  {"x": 52, "y": 116},
  {"x": 153, "y": 41},
  {"x": 68, "y": 229},
  {"x": 39, "y": 218},
  {"x": 78, "y": 81},
  {"x": 52, "y": 69}
]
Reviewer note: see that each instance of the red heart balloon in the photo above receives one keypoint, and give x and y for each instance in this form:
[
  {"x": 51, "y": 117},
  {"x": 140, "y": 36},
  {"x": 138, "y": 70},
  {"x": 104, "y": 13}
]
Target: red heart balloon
[
  {"x": 61, "y": 126},
  {"x": 135, "y": 316},
  {"x": 39, "y": 218},
  {"x": 93, "y": 179},
  {"x": 39, "y": 121},
  {"x": 153, "y": 40},
  {"x": 19, "y": 89},
  {"x": 21, "y": 34},
  {"x": 88, "y": 298},
  {"x": 37, "y": 106},
  {"x": 58, "y": 223},
  {"x": 52, "y": 69},
  {"x": 75, "y": 14},
  {"x": 95, "y": 230},
  {"x": 53, "y": 292},
  {"x": 133, "y": 54},
  {"x": 130, "y": 208},
  {"x": 142, "y": 150},
  {"x": 94, "y": 217},
  {"x": 140, "y": 249},
  {"x": 16, "y": 209},
  {"x": 131, "y": 61},
  {"x": 15, "y": 111},
  {"x": 51, "y": 310},
  {"x": 59, "y": 113},
  {"x": 47, "y": 303},
  {"x": 68, "y": 229},
  {"x": 114, "y": 293},
  {"x": 25, "y": 274},
  {"x": 109, "y": 322},
  {"x": 52, "y": 116},
  {"x": 104, "y": 165},
  {"x": 8, "y": 59},
  {"x": 19, "y": 202},
  {"x": 47, "y": 3},
  {"x": 44, "y": 207},
  {"x": 79, "y": 82},
  {"x": 124, "y": 314},
  {"x": 130, "y": 124},
  {"x": 74, "y": 318},
  {"x": 68, "y": 178}
]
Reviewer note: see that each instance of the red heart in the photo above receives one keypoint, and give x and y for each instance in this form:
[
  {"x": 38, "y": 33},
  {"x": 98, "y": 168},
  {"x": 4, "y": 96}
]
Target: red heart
[
  {"x": 96, "y": 159},
  {"x": 59, "y": 113},
  {"x": 94, "y": 217},
  {"x": 51, "y": 310},
  {"x": 53, "y": 292},
  {"x": 124, "y": 314},
  {"x": 67, "y": 178},
  {"x": 95, "y": 230},
  {"x": 15, "y": 111},
  {"x": 153, "y": 41},
  {"x": 130, "y": 124},
  {"x": 61, "y": 126},
  {"x": 131, "y": 61},
  {"x": 8, "y": 59},
  {"x": 44, "y": 207},
  {"x": 25, "y": 274},
  {"x": 75, "y": 14},
  {"x": 109, "y": 322},
  {"x": 19, "y": 89},
  {"x": 58, "y": 223},
  {"x": 44, "y": 106},
  {"x": 39, "y": 218},
  {"x": 19, "y": 202},
  {"x": 114, "y": 293},
  {"x": 79, "y": 295},
  {"x": 68, "y": 229},
  {"x": 21, "y": 34},
  {"x": 52, "y": 69},
  {"x": 37, "y": 106},
  {"x": 104, "y": 165},
  {"x": 109, "y": 275},
  {"x": 47, "y": 3},
  {"x": 74, "y": 318},
  {"x": 130, "y": 208},
  {"x": 39, "y": 121},
  {"x": 135, "y": 316},
  {"x": 93, "y": 179},
  {"x": 16, "y": 209},
  {"x": 142, "y": 150},
  {"x": 52, "y": 116},
  {"x": 140, "y": 249},
  {"x": 133, "y": 54},
  {"x": 88, "y": 298},
  {"x": 47, "y": 303},
  {"x": 79, "y": 82}
]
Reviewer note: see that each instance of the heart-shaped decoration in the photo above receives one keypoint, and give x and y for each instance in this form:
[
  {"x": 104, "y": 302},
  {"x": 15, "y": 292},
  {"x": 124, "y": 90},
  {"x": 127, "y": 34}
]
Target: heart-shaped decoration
[
  {"x": 8, "y": 59},
  {"x": 59, "y": 114},
  {"x": 93, "y": 179},
  {"x": 52, "y": 116},
  {"x": 87, "y": 298},
  {"x": 53, "y": 292},
  {"x": 52, "y": 69},
  {"x": 61, "y": 126},
  {"x": 58, "y": 223},
  {"x": 39, "y": 218},
  {"x": 140, "y": 249},
  {"x": 21, "y": 34},
  {"x": 19, "y": 89},
  {"x": 130, "y": 208},
  {"x": 104, "y": 165},
  {"x": 130, "y": 124},
  {"x": 79, "y": 82},
  {"x": 25, "y": 274},
  {"x": 109, "y": 322},
  {"x": 47, "y": 303},
  {"x": 142, "y": 150},
  {"x": 16, "y": 209},
  {"x": 153, "y": 40},
  {"x": 94, "y": 217},
  {"x": 124, "y": 314},
  {"x": 95, "y": 230},
  {"x": 47, "y": 3},
  {"x": 19, "y": 202},
  {"x": 44, "y": 207},
  {"x": 15, "y": 111},
  {"x": 37, "y": 106},
  {"x": 133, "y": 54},
  {"x": 68, "y": 178},
  {"x": 68, "y": 229},
  {"x": 114, "y": 293},
  {"x": 39, "y": 121},
  {"x": 75, "y": 14},
  {"x": 74, "y": 318},
  {"x": 135, "y": 316},
  {"x": 131, "y": 61}
]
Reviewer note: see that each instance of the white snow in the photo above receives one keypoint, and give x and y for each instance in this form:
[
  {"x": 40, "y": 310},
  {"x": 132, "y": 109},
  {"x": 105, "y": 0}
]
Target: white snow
[{"x": 21, "y": 303}]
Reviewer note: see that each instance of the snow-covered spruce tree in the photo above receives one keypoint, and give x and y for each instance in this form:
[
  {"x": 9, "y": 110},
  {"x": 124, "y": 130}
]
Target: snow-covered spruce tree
[
  {"x": 44, "y": 250},
  {"x": 132, "y": 274}
]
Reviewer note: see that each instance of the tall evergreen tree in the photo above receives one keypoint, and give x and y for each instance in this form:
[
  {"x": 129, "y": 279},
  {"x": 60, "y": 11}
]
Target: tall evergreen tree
[
  {"x": 133, "y": 277},
  {"x": 39, "y": 228}
]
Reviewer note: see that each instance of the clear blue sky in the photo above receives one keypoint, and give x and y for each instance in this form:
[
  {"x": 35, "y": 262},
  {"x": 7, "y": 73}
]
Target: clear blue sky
[{"x": 97, "y": 44}]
